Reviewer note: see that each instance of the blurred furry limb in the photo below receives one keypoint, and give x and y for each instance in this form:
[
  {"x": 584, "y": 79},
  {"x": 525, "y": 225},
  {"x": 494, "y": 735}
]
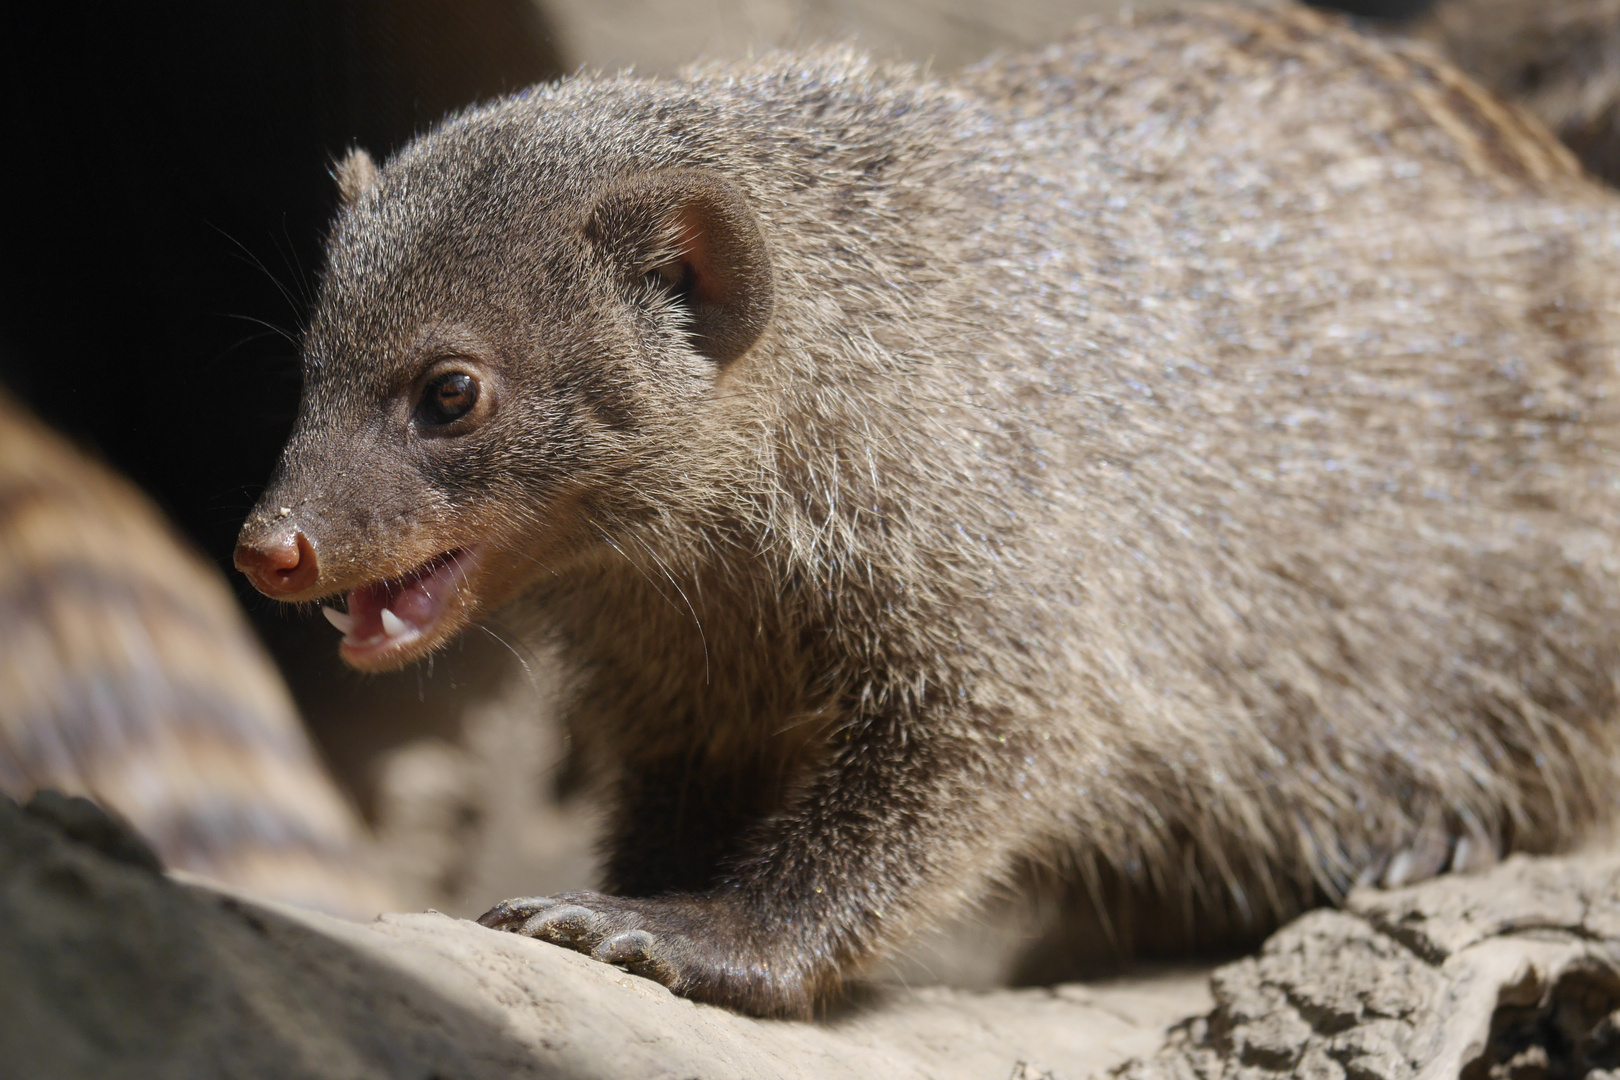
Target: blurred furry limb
[{"x": 128, "y": 674}]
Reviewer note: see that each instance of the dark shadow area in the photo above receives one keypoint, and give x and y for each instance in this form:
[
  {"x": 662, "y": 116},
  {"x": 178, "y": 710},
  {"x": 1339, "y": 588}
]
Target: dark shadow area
[
  {"x": 111, "y": 970},
  {"x": 1390, "y": 10},
  {"x": 166, "y": 189},
  {"x": 1571, "y": 1032}
]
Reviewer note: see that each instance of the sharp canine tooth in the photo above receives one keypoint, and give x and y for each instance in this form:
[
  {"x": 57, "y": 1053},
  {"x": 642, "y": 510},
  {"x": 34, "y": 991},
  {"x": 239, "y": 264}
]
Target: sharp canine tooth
[
  {"x": 344, "y": 623},
  {"x": 393, "y": 625}
]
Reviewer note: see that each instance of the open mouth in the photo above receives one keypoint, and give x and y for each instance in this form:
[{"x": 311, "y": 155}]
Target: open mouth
[{"x": 386, "y": 617}]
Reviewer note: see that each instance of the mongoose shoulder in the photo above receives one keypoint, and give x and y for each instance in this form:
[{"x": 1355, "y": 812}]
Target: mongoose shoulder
[
  {"x": 1186, "y": 453},
  {"x": 128, "y": 674}
]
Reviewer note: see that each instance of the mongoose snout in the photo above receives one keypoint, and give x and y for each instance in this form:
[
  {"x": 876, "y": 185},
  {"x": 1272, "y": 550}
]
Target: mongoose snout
[
  {"x": 1186, "y": 459},
  {"x": 280, "y": 565},
  {"x": 384, "y": 619}
]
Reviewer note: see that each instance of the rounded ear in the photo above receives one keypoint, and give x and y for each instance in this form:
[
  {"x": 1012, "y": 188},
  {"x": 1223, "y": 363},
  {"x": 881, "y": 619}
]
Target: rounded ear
[
  {"x": 692, "y": 234},
  {"x": 354, "y": 175}
]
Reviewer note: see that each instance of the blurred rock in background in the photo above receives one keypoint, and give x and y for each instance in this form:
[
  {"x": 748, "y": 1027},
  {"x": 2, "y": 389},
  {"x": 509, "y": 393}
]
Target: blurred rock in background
[
  {"x": 128, "y": 674},
  {"x": 658, "y": 36}
]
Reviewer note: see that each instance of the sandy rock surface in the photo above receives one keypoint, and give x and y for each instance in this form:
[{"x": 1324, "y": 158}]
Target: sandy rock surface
[
  {"x": 111, "y": 969},
  {"x": 1508, "y": 975}
]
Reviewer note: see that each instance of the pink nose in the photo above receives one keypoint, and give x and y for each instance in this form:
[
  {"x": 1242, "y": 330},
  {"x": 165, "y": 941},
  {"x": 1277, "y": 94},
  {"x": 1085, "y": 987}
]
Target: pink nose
[{"x": 281, "y": 565}]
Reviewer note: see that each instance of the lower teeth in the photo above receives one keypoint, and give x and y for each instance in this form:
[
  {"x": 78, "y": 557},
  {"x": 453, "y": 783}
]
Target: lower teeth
[{"x": 393, "y": 625}]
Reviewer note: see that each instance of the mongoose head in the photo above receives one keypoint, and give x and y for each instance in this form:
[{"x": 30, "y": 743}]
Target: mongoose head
[{"x": 517, "y": 332}]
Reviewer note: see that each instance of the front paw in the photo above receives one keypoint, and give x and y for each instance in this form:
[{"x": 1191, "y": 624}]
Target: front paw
[
  {"x": 608, "y": 928},
  {"x": 698, "y": 948}
]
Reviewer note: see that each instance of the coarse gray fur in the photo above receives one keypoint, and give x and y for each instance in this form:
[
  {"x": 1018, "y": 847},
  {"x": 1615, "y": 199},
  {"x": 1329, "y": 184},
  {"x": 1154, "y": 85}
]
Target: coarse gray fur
[{"x": 1183, "y": 457}]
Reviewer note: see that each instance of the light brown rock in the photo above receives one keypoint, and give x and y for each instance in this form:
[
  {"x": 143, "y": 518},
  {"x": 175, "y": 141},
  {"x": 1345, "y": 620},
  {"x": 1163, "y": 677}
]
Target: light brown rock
[
  {"x": 111, "y": 970},
  {"x": 1507, "y": 974}
]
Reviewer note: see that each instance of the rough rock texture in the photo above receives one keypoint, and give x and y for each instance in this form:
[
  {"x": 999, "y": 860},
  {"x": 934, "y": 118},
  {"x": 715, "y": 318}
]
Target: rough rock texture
[
  {"x": 1510, "y": 974},
  {"x": 112, "y": 970}
]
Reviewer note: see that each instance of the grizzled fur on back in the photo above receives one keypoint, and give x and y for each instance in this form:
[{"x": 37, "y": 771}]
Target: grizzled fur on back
[{"x": 1185, "y": 455}]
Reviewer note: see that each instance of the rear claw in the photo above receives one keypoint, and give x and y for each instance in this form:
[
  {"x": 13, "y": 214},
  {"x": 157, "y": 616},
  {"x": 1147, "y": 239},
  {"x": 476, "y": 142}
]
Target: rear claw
[{"x": 1432, "y": 850}]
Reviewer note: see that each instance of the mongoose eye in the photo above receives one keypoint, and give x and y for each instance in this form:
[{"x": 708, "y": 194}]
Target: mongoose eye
[{"x": 447, "y": 399}]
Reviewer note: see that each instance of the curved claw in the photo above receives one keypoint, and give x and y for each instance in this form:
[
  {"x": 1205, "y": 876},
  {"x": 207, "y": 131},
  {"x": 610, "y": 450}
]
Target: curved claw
[
  {"x": 635, "y": 951},
  {"x": 629, "y": 947},
  {"x": 509, "y": 913}
]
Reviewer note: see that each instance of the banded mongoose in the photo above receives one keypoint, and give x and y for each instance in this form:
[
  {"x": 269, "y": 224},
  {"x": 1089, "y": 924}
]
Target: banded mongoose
[
  {"x": 1184, "y": 455},
  {"x": 128, "y": 674}
]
